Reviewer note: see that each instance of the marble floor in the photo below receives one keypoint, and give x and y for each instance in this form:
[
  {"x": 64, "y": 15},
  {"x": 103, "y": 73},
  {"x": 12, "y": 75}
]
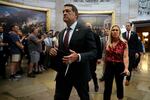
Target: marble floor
[{"x": 42, "y": 87}]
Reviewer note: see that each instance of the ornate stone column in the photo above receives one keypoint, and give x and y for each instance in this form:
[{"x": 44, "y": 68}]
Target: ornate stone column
[
  {"x": 59, "y": 15},
  {"x": 124, "y": 11}
]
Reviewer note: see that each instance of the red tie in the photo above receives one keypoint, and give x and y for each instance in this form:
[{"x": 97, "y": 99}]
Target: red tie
[{"x": 66, "y": 37}]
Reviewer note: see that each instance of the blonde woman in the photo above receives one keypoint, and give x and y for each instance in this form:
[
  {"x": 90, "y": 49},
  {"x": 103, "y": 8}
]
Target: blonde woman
[{"x": 116, "y": 60}]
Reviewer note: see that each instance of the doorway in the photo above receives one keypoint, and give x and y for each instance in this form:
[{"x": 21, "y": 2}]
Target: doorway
[{"x": 143, "y": 30}]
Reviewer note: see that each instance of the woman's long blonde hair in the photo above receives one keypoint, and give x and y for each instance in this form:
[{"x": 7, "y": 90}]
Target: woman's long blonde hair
[{"x": 109, "y": 41}]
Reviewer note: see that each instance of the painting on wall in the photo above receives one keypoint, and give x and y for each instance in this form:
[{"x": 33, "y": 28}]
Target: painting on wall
[
  {"x": 24, "y": 16},
  {"x": 98, "y": 20}
]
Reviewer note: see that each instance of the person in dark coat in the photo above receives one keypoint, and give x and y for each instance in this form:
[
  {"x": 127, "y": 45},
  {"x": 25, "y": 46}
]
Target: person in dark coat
[
  {"x": 73, "y": 55},
  {"x": 94, "y": 62},
  {"x": 4, "y": 51}
]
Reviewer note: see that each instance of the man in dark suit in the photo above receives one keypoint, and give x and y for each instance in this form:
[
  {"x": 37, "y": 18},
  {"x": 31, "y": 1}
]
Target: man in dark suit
[
  {"x": 97, "y": 60},
  {"x": 134, "y": 48},
  {"x": 4, "y": 51},
  {"x": 73, "y": 57}
]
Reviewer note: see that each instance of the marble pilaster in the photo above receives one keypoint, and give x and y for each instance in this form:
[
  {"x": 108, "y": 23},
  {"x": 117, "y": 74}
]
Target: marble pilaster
[{"x": 59, "y": 24}]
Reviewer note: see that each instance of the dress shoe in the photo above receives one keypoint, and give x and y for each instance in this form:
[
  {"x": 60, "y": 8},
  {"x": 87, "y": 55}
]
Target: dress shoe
[
  {"x": 96, "y": 88},
  {"x": 126, "y": 83}
]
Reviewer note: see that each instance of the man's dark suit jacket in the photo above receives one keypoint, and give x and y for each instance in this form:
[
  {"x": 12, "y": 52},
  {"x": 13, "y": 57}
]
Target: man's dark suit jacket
[
  {"x": 6, "y": 39},
  {"x": 82, "y": 42},
  {"x": 134, "y": 44},
  {"x": 98, "y": 46}
]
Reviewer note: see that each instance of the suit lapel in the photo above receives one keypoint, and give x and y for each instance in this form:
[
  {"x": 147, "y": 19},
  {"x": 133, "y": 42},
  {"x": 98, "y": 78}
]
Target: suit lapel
[
  {"x": 75, "y": 33},
  {"x": 131, "y": 34},
  {"x": 124, "y": 35},
  {"x": 61, "y": 37}
]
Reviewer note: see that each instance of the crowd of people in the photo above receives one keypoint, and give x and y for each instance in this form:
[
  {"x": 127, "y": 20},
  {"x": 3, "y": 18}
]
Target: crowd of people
[
  {"x": 74, "y": 53},
  {"x": 14, "y": 46}
]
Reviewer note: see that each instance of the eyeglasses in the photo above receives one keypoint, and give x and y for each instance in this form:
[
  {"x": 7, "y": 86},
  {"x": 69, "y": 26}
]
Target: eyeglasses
[{"x": 114, "y": 30}]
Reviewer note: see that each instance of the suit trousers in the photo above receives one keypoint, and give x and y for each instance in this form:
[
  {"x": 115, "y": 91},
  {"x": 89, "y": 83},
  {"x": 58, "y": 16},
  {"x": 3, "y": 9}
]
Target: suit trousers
[
  {"x": 3, "y": 60},
  {"x": 93, "y": 71},
  {"x": 132, "y": 62},
  {"x": 137, "y": 61},
  {"x": 64, "y": 87},
  {"x": 113, "y": 69}
]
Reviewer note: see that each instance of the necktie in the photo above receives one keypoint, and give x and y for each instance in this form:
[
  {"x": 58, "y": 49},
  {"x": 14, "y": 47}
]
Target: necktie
[{"x": 66, "y": 37}]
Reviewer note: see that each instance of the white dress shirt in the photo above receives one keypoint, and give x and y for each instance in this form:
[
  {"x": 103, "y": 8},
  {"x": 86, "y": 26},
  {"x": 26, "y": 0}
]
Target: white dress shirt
[{"x": 71, "y": 31}]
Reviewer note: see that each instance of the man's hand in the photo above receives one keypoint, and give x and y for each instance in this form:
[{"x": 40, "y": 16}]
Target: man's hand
[
  {"x": 53, "y": 51},
  {"x": 73, "y": 57},
  {"x": 125, "y": 72},
  {"x": 136, "y": 55}
]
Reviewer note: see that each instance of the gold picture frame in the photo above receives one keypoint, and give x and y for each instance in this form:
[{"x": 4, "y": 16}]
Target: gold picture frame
[
  {"x": 25, "y": 11},
  {"x": 95, "y": 18}
]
